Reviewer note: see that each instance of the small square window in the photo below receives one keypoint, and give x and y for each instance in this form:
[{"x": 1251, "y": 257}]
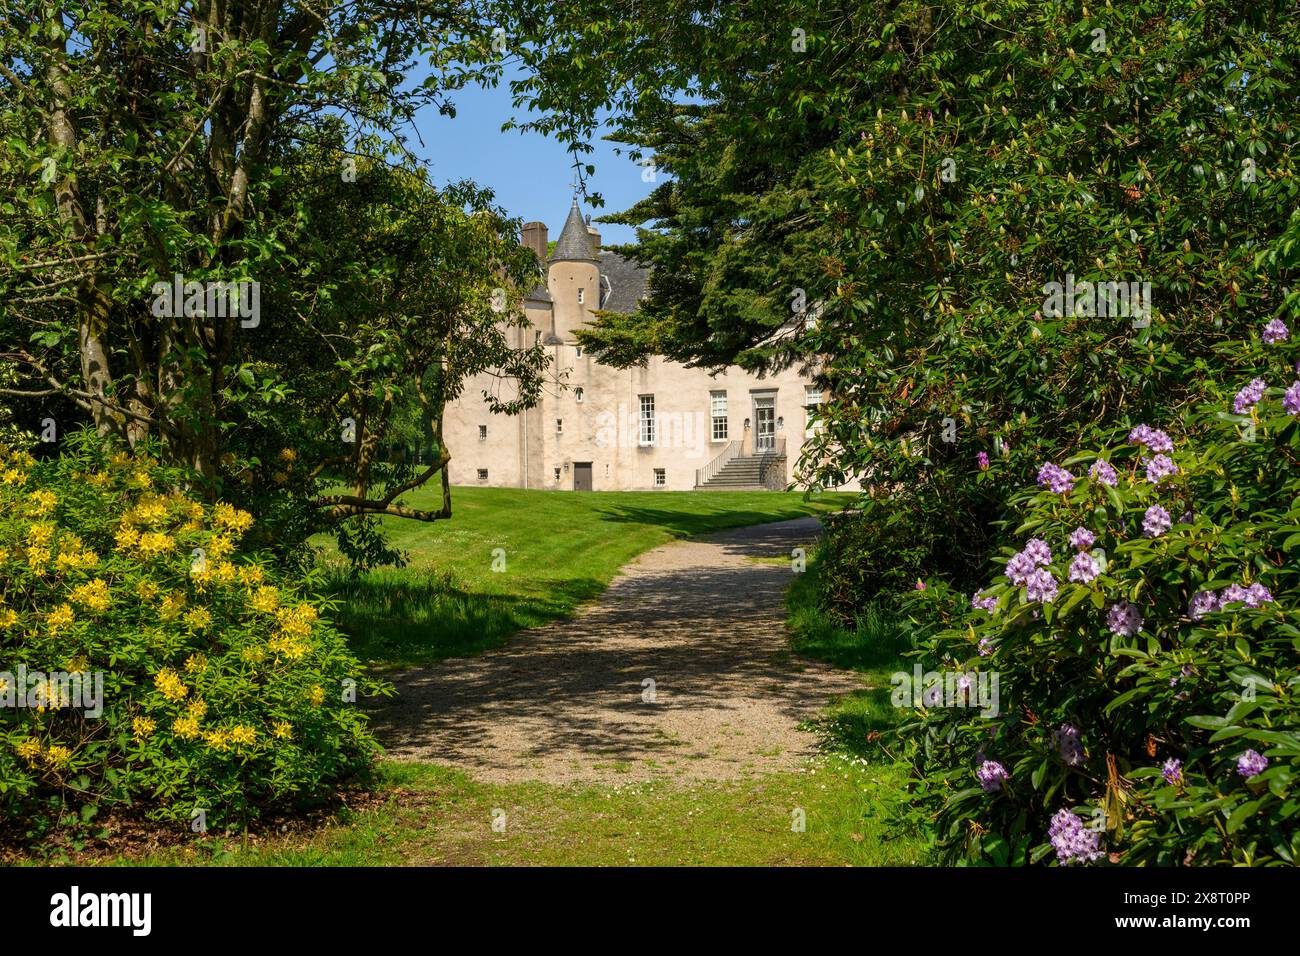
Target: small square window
[
  {"x": 577, "y": 394},
  {"x": 557, "y": 476},
  {"x": 559, "y": 426},
  {"x": 482, "y": 433},
  {"x": 661, "y": 477},
  {"x": 482, "y": 474},
  {"x": 582, "y": 296}
]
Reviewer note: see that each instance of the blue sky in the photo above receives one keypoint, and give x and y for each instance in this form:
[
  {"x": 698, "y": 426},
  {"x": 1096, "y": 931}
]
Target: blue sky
[{"x": 529, "y": 173}]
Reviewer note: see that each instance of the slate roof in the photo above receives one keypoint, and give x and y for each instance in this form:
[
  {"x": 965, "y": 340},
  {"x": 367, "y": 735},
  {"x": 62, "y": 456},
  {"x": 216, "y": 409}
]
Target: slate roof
[
  {"x": 574, "y": 242},
  {"x": 626, "y": 282}
]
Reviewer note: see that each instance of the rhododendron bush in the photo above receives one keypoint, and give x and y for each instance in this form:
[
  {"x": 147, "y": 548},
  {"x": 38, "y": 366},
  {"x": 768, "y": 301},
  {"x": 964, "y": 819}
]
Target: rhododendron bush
[
  {"x": 1146, "y": 630},
  {"x": 222, "y": 692}
]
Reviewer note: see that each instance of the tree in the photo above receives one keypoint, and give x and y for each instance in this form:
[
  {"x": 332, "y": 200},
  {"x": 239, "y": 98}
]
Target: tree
[
  {"x": 244, "y": 146},
  {"x": 918, "y": 175}
]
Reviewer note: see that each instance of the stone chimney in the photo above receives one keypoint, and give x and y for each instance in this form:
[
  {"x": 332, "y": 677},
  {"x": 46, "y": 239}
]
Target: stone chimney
[
  {"x": 535, "y": 238},
  {"x": 594, "y": 233}
]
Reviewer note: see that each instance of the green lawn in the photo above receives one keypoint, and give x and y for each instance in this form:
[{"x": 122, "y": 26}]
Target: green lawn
[
  {"x": 559, "y": 549},
  {"x": 434, "y": 816}
]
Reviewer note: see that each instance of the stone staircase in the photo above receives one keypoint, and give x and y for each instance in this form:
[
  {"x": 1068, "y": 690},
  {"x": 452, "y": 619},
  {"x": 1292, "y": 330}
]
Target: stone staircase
[{"x": 762, "y": 472}]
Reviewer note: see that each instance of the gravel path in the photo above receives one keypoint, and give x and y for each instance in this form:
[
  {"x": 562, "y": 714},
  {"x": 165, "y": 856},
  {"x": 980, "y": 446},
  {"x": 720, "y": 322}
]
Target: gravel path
[{"x": 568, "y": 702}]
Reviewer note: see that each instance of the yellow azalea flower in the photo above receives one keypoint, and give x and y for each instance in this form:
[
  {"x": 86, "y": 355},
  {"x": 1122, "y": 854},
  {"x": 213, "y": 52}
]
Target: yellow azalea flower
[
  {"x": 232, "y": 519},
  {"x": 93, "y": 595},
  {"x": 39, "y": 535},
  {"x": 37, "y": 560},
  {"x": 280, "y": 478},
  {"x": 282, "y": 729},
  {"x": 43, "y": 501},
  {"x": 297, "y": 621},
  {"x": 248, "y": 574},
  {"x": 140, "y": 479},
  {"x": 29, "y": 750},
  {"x": 219, "y": 546},
  {"x": 198, "y": 709},
  {"x": 265, "y": 599},
  {"x": 316, "y": 696},
  {"x": 153, "y": 544},
  {"x": 100, "y": 479},
  {"x": 170, "y": 685},
  {"x": 59, "y": 618},
  {"x": 288, "y": 454},
  {"x": 12, "y": 476},
  {"x": 187, "y": 728},
  {"x": 285, "y": 646},
  {"x": 171, "y": 605},
  {"x": 4, "y": 555},
  {"x": 242, "y": 734},
  {"x": 224, "y": 573},
  {"x": 126, "y": 538},
  {"x": 146, "y": 590},
  {"x": 151, "y": 511},
  {"x": 198, "y": 619},
  {"x": 196, "y": 663},
  {"x": 217, "y": 739},
  {"x": 58, "y": 756},
  {"x": 143, "y": 727},
  {"x": 8, "y": 618},
  {"x": 77, "y": 665}
]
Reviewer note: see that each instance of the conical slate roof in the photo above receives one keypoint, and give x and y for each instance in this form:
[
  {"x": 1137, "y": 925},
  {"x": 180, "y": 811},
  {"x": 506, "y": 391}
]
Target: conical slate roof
[{"x": 574, "y": 242}]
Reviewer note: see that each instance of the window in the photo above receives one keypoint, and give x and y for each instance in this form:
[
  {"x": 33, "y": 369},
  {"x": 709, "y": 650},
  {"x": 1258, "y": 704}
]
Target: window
[
  {"x": 557, "y": 476},
  {"x": 482, "y": 433},
  {"x": 661, "y": 478},
  {"x": 577, "y": 394},
  {"x": 577, "y": 351},
  {"x": 482, "y": 474},
  {"x": 559, "y": 426},
  {"x": 537, "y": 338},
  {"x": 812, "y": 398},
  {"x": 647, "y": 419},
  {"x": 718, "y": 415},
  {"x": 582, "y": 296}
]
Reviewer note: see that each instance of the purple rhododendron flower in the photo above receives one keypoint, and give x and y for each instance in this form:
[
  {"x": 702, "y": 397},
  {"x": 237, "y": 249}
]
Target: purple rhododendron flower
[
  {"x": 1203, "y": 602},
  {"x": 1249, "y": 395},
  {"x": 1257, "y": 595},
  {"x": 1172, "y": 771},
  {"x": 1124, "y": 619},
  {"x": 982, "y": 459},
  {"x": 1103, "y": 472},
  {"x": 1152, "y": 438},
  {"x": 1084, "y": 568},
  {"x": 1041, "y": 586},
  {"x": 1251, "y": 764},
  {"x": 1233, "y": 594},
  {"x": 981, "y": 603},
  {"x": 1156, "y": 522},
  {"x": 1081, "y": 539},
  {"x": 1159, "y": 467},
  {"x": 1019, "y": 567},
  {"x": 1067, "y": 744},
  {"x": 1073, "y": 842},
  {"x": 1056, "y": 478},
  {"x": 1291, "y": 399},
  {"x": 991, "y": 775},
  {"x": 985, "y": 646},
  {"x": 1038, "y": 551},
  {"x": 1276, "y": 331}
]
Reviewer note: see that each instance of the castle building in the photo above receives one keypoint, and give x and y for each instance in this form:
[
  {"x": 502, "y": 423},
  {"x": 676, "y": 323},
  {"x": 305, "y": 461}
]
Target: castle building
[{"x": 658, "y": 426}]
